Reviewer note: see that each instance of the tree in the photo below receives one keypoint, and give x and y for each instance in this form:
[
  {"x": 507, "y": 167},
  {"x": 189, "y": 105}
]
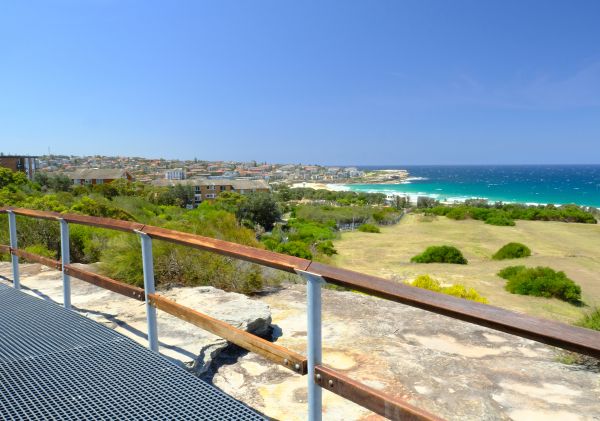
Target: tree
[
  {"x": 426, "y": 202},
  {"x": 260, "y": 208},
  {"x": 8, "y": 177}
]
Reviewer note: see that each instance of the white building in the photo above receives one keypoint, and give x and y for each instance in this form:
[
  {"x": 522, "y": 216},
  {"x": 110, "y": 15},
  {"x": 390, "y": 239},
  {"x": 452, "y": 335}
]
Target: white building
[{"x": 175, "y": 174}]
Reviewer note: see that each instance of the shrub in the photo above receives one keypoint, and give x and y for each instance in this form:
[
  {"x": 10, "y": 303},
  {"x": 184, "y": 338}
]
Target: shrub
[
  {"x": 541, "y": 282},
  {"x": 500, "y": 220},
  {"x": 41, "y": 250},
  {"x": 591, "y": 320},
  {"x": 440, "y": 254},
  {"x": 512, "y": 251},
  {"x": 295, "y": 248},
  {"x": 460, "y": 291},
  {"x": 369, "y": 228},
  {"x": 327, "y": 248}
]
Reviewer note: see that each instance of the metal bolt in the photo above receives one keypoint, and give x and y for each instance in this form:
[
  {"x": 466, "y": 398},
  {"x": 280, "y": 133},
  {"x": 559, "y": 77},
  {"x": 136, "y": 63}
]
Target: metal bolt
[
  {"x": 285, "y": 361},
  {"x": 330, "y": 382},
  {"x": 318, "y": 377},
  {"x": 297, "y": 367}
]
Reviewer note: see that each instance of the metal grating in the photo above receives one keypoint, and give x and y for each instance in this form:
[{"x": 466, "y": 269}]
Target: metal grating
[{"x": 56, "y": 364}]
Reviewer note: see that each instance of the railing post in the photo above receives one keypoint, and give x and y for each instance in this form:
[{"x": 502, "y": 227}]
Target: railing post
[
  {"x": 12, "y": 228},
  {"x": 314, "y": 342},
  {"x": 65, "y": 255},
  {"x": 148, "y": 266}
]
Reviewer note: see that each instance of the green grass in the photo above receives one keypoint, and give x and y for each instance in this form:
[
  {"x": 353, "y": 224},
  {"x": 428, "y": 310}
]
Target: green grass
[{"x": 571, "y": 248}]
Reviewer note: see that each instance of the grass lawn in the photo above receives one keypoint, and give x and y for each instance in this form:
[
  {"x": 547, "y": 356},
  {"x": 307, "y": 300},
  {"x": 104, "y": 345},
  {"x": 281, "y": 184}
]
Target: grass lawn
[{"x": 572, "y": 248}]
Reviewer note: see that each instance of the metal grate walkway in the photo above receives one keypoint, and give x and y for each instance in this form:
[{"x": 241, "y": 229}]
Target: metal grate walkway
[{"x": 57, "y": 364}]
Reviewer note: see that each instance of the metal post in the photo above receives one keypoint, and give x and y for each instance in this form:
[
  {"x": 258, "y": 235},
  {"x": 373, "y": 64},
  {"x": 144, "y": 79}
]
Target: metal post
[
  {"x": 65, "y": 254},
  {"x": 314, "y": 345},
  {"x": 149, "y": 289},
  {"x": 12, "y": 228}
]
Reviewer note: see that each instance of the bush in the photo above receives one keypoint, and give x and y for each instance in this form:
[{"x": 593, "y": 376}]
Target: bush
[
  {"x": 440, "y": 254},
  {"x": 41, "y": 250},
  {"x": 500, "y": 220},
  {"x": 541, "y": 282},
  {"x": 460, "y": 291},
  {"x": 327, "y": 248},
  {"x": 591, "y": 320},
  {"x": 369, "y": 228},
  {"x": 512, "y": 251},
  {"x": 295, "y": 248}
]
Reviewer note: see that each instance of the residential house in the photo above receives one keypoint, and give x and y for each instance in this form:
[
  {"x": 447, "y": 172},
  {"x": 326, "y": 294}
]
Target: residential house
[{"x": 98, "y": 176}]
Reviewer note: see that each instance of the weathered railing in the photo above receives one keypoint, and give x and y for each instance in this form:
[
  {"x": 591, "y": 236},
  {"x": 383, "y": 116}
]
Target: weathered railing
[{"x": 571, "y": 338}]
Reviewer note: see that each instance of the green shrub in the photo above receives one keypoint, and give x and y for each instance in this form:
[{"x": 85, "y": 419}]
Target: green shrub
[
  {"x": 295, "y": 248},
  {"x": 369, "y": 228},
  {"x": 512, "y": 251},
  {"x": 591, "y": 320},
  {"x": 41, "y": 250},
  {"x": 327, "y": 248},
  {"x": 460, "y": 291},
  {"x": 541, "y": 282},
  {"x": 440, "y": 254},
  {"x": 500, "y": 220}
]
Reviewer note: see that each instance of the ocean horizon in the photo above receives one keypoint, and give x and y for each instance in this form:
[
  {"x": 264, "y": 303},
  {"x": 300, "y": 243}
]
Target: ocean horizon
[{"x": 528, "y": 184}]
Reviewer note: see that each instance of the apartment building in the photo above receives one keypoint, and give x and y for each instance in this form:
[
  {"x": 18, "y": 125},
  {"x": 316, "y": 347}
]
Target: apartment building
[
  {"x": 210, "y": 188},
  {"x": 25, "y": 164}
]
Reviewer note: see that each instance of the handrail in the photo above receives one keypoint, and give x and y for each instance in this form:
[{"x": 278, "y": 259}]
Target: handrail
[
  {"x": 273, "y": 352},
  {"x": 46, "y": 261},
  {"x": 561, "y": 335},
  {"x": 584, "y": 341},
  {"x": 269, "y": 350},
  {"x": 572, "y": 338}
]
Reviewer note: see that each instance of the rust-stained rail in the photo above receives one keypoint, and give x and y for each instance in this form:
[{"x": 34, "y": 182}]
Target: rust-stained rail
[
  {"x": 374, "y": 400},
  {"x": 273, "y": 352},
  {"x": 584, "y": 341},
  {"x": 46, "y": 261},
  {"x": 4, "y": 249},
  {"x": 105, "y": 282}
]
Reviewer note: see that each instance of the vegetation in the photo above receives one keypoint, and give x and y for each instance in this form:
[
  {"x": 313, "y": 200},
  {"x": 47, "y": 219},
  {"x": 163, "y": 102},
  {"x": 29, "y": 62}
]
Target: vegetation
[
  {"x": 505, "y": 214},
  {"x": 541, "y": 282},
  {"x": 369, "y": 228},
  {"x": 512, "y": 251},
  {"x": 284, "y": 193},
  {"x": 591, "y": 320},
  {"x": 440, "y": 254},
  {"x": 457, "y": 290},
  {"x": 118, "y": 253}
]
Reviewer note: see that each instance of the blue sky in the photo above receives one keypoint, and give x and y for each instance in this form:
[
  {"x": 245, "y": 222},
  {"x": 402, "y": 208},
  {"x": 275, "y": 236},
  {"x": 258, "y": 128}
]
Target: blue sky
[{"x": 346, "y": 82}]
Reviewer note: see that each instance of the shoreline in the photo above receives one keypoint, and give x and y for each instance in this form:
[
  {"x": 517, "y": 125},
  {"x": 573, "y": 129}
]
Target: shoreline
[{"x": 412, "y": 197}]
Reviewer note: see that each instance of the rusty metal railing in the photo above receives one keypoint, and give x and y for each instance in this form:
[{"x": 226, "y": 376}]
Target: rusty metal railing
[{"x": 561, "y": 335}]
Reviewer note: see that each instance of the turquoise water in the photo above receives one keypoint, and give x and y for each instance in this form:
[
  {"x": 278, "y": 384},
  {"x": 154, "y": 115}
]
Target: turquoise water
[{"x": 557, "y": 184}]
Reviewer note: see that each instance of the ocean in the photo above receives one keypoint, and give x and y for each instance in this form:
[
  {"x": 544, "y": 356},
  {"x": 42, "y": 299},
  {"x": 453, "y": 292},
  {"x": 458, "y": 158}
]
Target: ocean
[{"x": 532, "y": 184}]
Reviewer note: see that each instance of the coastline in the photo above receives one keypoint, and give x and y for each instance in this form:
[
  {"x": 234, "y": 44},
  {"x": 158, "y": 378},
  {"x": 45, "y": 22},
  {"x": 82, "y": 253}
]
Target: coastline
[{"x": 413, "y": 196}]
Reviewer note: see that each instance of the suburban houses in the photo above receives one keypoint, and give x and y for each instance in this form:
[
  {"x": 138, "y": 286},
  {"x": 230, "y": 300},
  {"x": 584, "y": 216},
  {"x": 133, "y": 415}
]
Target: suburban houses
[{"x": 98, "y": 176}]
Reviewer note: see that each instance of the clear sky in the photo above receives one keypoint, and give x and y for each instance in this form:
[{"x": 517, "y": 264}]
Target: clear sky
[{"x": 345, "y": 82}]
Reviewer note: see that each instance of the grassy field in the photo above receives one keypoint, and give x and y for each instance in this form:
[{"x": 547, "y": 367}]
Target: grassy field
[{"x": 572, "y": 248}]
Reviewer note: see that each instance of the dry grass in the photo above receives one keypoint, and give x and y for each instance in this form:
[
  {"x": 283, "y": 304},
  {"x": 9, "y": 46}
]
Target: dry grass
[{"x": 572, "y": 248}]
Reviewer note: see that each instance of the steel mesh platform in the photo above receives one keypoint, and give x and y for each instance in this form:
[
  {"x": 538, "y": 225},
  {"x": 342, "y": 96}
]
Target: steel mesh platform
[{"x": 57, "y": 364}]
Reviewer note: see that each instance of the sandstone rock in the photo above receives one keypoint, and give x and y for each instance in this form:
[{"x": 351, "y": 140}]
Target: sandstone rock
[{"x": 456, "y": 370}]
